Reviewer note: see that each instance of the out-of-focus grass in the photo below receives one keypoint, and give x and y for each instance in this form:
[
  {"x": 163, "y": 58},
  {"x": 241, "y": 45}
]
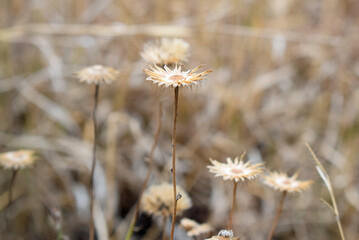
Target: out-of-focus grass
[{"x": 286, "y": 72}]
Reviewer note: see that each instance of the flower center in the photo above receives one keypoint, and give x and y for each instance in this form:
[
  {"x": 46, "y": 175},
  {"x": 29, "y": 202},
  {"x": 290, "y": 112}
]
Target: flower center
[
  {"x": 177, "y": 78},
  {"x": 17, "y": 156},
  {"x": 237, "y": 171},
  {"x": 286, "y": 182}
]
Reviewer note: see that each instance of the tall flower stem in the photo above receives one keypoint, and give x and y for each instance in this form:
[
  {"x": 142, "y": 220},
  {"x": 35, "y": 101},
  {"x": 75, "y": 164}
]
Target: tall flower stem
[
  {"x": 276, "y": 219},
  {"x": 175, "y": 116},
  {"x": 92, "y": 230},
  {"x": 149, "y": 170},
  {"x": 230, "y": 222},
  {"x": 164, "y": 220},
  {"x": 12, "y": 182}
]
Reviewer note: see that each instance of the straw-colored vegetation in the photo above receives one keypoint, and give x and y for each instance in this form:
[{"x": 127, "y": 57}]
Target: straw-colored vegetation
[{"x": 273, "y": 82}]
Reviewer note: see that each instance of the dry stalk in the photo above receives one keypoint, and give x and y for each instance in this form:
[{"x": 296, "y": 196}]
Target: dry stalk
[
  {"x": 164, "y": 220},
  {"x": 325, "y": 177},
  {"x": 230, "y": 221},
  {"x": 276, "y": 219},
  {"x": 92, "y": 230},
  {"x": 111, "y": 149},
  {"x": 175, "y": 116},
  {"x": 12, "y": 182}
]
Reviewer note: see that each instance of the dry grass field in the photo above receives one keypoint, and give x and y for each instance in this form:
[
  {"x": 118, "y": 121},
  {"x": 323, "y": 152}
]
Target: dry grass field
[{"x": 285, "y": 74}]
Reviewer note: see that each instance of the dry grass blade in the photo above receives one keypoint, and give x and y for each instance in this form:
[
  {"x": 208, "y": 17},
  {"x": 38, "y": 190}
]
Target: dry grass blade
[
  {"x": 51, "y": 108},
  {"x": 324, "y": 175},
  {"x": 100, "y": 222},
  {"x": 328, "y": 205}
]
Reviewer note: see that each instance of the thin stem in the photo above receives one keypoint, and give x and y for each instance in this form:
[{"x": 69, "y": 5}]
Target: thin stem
[
  {"x": 12, "y": 182},
  {"x": 175, "y": 116},
  {"x": 230, "y": 222},
  {"x": 92, "y": 230},
  {"x": 149, "y": 170},
  {"x": 276, "y": 219},
  {"x": 164, "y": 220}
]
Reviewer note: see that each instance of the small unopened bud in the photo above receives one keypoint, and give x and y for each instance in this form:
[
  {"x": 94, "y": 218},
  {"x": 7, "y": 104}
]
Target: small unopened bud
[{"x": 178, "y": 197}]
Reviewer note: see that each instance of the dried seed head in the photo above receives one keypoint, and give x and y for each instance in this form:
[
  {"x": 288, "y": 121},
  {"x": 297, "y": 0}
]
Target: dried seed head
[
  {"x": 282, "y": 182},
  {"x": 97, "y": 74},
  {"x": 166, "y": 52},
  {"x": 17, "y": 159},
  {"x": 195, "y": 229},
  {"x": 175, "y": 77},
  {"x": 188, "y": 224},
  {"x": 235, "y": 170},
  {"x": 158, "y": 200},
  {"x": 224, "y": 235}
]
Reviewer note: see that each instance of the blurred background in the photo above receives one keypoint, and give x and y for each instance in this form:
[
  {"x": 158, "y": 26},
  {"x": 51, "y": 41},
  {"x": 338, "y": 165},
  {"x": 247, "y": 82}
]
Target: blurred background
[{"x": 285, "y": 73}]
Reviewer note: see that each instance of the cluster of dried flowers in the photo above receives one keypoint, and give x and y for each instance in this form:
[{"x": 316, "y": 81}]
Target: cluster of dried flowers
[
  {"x": 165, "y": 58},
  {"x": 165, "y": 200},
  {"x": 240, "y": 171},
  {"x": 233, "y": 170}
]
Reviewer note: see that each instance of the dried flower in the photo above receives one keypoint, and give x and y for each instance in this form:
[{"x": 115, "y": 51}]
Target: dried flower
[
  {"x": 195, "y": 229},
  {"x": 17, "y": 159},
  {"x": 175, "y": 77},
  {"x": 224, "y": 235},
  {"x": 223, "y": 238},
  {"x": 158, "y": 200},
  {"x": 97, "y": 74},
  {"x": 166, "y": 52},
  {"x": 282, "y": 182},
  {"x": 235, "y": 170}
]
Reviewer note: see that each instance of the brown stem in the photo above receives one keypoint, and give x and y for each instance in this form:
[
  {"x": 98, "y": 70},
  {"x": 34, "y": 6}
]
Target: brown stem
[
  {"x": 157, "y": 133},
  {"x": 149, "y": 170},
  {"x": 12, "y": 182},
  {"x": 92, "y": 230},
  {"x": 230, "y": 222},
  {"x": 175, "y": 116},
  {"x": 164, "y": 220},
  {"x": 276, "y": 219}
]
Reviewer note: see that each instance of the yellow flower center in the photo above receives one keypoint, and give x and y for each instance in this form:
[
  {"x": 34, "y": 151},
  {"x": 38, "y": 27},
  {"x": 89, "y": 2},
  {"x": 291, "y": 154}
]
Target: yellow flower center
[{"x": 177, "y": 78}]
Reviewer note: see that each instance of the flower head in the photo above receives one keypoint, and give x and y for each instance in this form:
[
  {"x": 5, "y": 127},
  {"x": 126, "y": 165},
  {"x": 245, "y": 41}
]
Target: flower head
[
  {"x": 166, "y": 51},
  {"x": 282, "y": 182},
  {"x": 97, "y": 74},
  {"x": 235, "y": 170},
  {"x": 17, "y": 159},
  {"x": 175, "y": 77},
  {"x": 224, "y": 235},
  {"x": 158, "y": 200},
  {"x": 195, "y": 229}
]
